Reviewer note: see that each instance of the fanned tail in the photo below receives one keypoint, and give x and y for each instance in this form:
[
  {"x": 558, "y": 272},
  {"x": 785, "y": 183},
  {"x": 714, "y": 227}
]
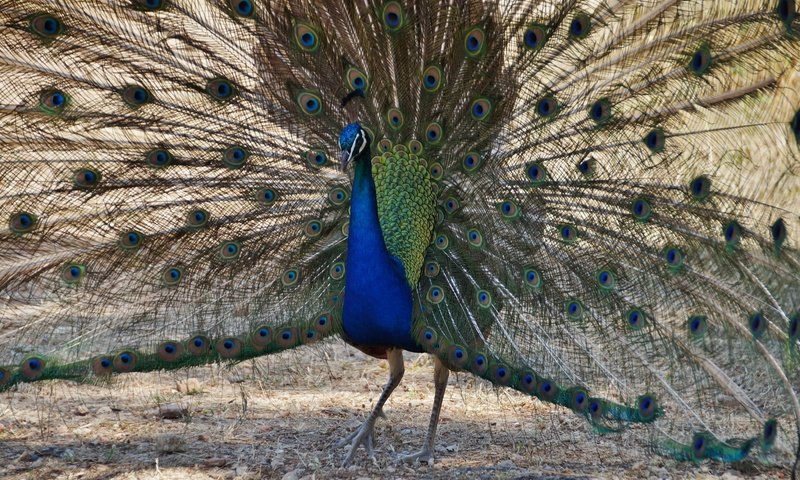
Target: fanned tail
[{"x": 620, "y": 248}]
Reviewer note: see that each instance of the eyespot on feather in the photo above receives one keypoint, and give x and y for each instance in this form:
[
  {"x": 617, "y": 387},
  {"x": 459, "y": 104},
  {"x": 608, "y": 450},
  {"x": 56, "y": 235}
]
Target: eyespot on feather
[
  {"x": 356, "y": 79},
  {"x": 198, "y": 218},
  {"x": 229, "y": 347},
  {"x": 636, "y": 318},
  {"x": 697, "y": 325},
  {"x": 125, "y": 361},
  {"x": 701, "y": 60},
  {"x": 73, "y": 273},
  {"x": 337, "y": 271},
  {"x": 290, "y": 277},
  {"x": 457, "y": 356},
  {"x": 287, "y": 338},
  {"x": 316, "y": 158},
  {"x": 432, "y": 78},
  {"x": 86, "y": 178},
  {"x": 32, "y": 367},
  {"x": 475, "y": 42},
  {"x": 441, "y": 241},
  {"x": 641, "y": 209},
  {"x": 479, "y": 364},
  {"x": 471, "y": 162},
  {"x": 580, "y": 26},
  {"x": 509, "y": 209},
  {"x": 481, "y": 108},
  {"x": 431, "y": 269},
  {"x": 528, "y": 382},
  {"x": 103, "y": 366},
  {"x": 394, "y": 118},
  {"x": 136, "y": 95},
  {"x": 169, "y": 351},
  {"x": 130, "y": 240},
  {"x": 220, "y": 89},
  {"x": 53, "y": 101},
  {"x": 434, "y": 133},
  {"x": 393, "y": 16},
  {"x": 172, "y": 275},
  {"x": 600, "y": 111},
  {"x": 700, "y": 188},
  {"x": 534, "y": 37},
  {"x": 22, "y": 222},
  {"x": 312, "y": 228},
  {"x": 46, "y": 26},
  {"x": 261, "y": 337},
  {"x": 306, "y": 37},
  {"x": 158, "y": 158},
  {"x": 435, "y": 294},
  {"x": 229, "y": 251},
  {"x": 235, "y": 157},
  {"x": 674, "y": 258},
  {"x": 309, "y": 102},
  {"x": 266, "y": 196},
  {"x": 199, "y": 345},
  {"x": 242, "y": 8},
  {"x": 532, "y": 277},
  {"x": 547, "y": 390},
  {"x": 501, "y": 374},
  {"x": 151, "y": 5},
  {"x": 323, "y": 324}
]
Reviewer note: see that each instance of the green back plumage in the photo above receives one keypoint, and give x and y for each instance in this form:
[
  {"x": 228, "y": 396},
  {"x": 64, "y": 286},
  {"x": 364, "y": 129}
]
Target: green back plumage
[
  {"x": 406, "y": 208},
  {"x": 606, "y": 215}
]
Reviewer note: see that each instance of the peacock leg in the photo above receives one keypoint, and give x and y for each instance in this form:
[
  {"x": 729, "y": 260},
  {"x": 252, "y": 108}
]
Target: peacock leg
[
  {"x": 364, "y": 434},
  {"x": 440, "y": 376}
]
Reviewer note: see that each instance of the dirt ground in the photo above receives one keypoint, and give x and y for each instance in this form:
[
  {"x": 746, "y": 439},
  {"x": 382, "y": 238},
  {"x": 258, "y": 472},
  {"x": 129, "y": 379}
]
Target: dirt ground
[{"x": 280, "y": 417}]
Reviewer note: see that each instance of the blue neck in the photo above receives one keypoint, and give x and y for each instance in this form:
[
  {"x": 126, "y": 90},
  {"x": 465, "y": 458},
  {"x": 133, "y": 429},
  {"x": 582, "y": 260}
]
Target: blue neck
[
  {"x": 365, "y": 229},
  {"x": 377, "y": 300}
]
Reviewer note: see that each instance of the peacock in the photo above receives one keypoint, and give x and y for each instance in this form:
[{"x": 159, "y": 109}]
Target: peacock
[{"x": 592, "y": 202}]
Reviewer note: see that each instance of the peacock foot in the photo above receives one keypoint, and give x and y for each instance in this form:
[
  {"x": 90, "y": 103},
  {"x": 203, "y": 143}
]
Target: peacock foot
[
  {"x": 425, "y": 455},
  {"x": 363, "y": 435}
]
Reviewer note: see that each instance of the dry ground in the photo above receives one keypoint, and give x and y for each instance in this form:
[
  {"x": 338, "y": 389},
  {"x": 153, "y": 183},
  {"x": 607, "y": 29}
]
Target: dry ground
[{"x": 279, "y": 418}]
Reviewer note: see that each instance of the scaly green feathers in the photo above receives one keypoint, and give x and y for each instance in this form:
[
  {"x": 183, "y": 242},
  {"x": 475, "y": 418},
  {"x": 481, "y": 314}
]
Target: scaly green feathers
[{"x": 405, "y": 194}]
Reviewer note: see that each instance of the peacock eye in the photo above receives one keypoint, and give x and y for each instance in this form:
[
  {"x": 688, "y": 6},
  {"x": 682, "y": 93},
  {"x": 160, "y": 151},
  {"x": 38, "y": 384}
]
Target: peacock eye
[
  {"x": 46, "y": 26},
  {"x": 242, "y": 8},
  {"x": 475, "y": 42},
  {"x": 306, "y": 37},
  {"x": 392, "y": 16},
  {"x": 220, "y": 89}
]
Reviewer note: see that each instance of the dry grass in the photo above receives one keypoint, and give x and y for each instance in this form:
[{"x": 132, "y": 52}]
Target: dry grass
[{"x": 279, "y": 418}]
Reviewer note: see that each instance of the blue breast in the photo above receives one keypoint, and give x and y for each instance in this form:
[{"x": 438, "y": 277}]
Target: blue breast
[{"x": 377, "y": 301}]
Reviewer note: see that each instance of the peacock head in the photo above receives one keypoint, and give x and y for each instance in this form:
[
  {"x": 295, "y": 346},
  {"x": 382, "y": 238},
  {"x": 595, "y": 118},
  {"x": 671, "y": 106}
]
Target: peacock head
[{"x": 353, "y": 141}]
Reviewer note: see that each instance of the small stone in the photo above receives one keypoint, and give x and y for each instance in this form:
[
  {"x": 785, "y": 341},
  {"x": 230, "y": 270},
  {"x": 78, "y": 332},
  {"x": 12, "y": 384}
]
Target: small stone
[
  {"x": 170, "y": 443},
  {"x": 506, "y": 464},
  {"x": 172, "y": 411},
  {"x": 81, "y": 411},
  {"x": 729, "y": 475},
  {"x": 215, "y": 462},
  {"x": 28, "y": 456},
  {"x": 293, "y": 475},
  {"x": 104, "y": 410}
]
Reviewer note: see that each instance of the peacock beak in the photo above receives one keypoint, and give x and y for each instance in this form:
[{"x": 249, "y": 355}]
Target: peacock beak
[{"x": 344, "y": 159}]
